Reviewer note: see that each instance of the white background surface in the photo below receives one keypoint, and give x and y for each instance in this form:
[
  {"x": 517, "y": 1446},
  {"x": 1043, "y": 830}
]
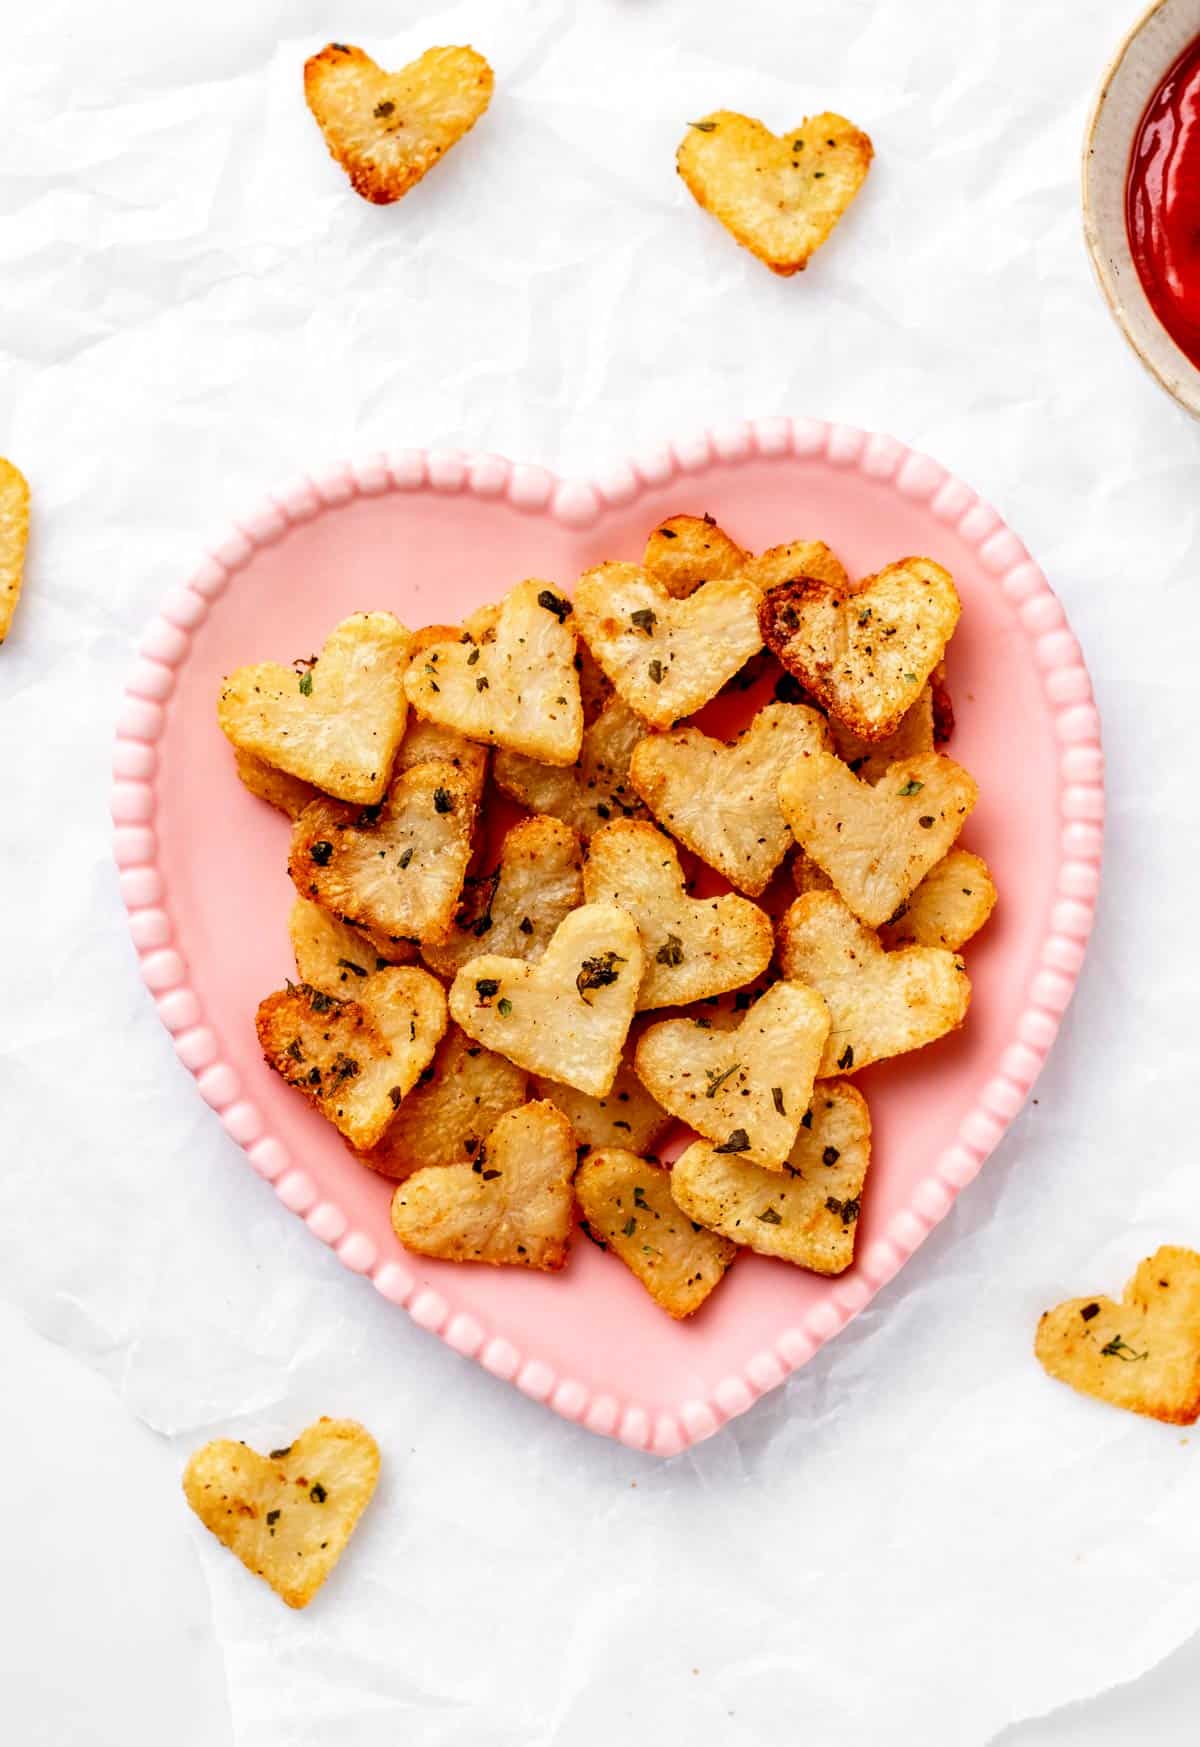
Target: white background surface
[{"x": 920, "y": 1537}]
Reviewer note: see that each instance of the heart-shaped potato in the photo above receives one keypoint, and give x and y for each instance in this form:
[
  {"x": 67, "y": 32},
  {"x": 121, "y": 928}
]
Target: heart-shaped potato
[
  {"x": 332, "y": 956},
  {"x": 626, "y": 1116},
  {"x": 338, "y": 721},
  {"x": 511, "y": 1206},
  {"x": 14, "y": 537},
  {"x": 864, "y": 653},
  {"x": 387, "y": 130},
  {"x": 515, "y": 685},
  {"x": 397, "y": 868},
  {"x": 779, "y": 195},
  {"x": 285, "y": 793},
  {"x": 287, "y": 1516},
  {"x": 515, "y": 909},
  {"x": 355, "y": 1060},
  {"x": 694, "y": 947},
  {"x": 450, "y": 1111},
  {"x": 595, "y": 788},
  {"x": 880, "y": 1003},
  {"x": 685, "y": 551},
  {"x": 808, "y": 1212},
  {"x": 627, "y": 1208},
  {"x": 746, "y": 1088},
  {"x": 567, "y": 1016},
  {"x": 1142, "y": 1354},
  {"x": 780, "y": 564},
  {"x": 430, "y": 743},
  {"x": 948, "y": 908},
  {"x": 666, "y": 657},
  {"x": 722, "y": 799},
  {"x": 869, "y": 759},
  {"x": 876, "y": 843}
]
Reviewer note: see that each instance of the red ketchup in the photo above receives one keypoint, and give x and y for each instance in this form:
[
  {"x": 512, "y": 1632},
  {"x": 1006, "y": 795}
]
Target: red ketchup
[{"x": 1162, "y": 202}]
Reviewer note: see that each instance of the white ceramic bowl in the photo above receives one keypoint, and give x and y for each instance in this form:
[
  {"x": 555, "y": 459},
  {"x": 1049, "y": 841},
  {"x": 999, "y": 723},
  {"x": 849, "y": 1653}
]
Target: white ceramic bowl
[{"x": 1137, "y": 69}]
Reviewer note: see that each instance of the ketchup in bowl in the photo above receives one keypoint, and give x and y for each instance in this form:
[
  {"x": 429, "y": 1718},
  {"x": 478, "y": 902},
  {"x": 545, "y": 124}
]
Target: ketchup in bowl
[{"x": 1162, "y": 202}]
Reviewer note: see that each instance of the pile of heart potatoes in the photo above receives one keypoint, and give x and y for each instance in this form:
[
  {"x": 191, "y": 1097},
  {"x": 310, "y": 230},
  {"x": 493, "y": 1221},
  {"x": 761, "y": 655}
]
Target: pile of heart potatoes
[{"x": 475, "y": 1033}]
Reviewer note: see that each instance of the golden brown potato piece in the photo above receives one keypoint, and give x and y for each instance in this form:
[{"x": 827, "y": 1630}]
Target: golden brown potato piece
[
  {"x": 869, "y": 759},
  {"x": 567, "y": 1016},
  {"x": 518, "y": 688},
  {"x": 876, "y": 843},
  {"x": 286, "y": 793},
  {"x": 866, "y": 653},
  {"x": 511, "y": 1206},
  {"x": 1142, "y": 1354},
  {"x": 627, "y": 1207},
  {"x": 338, "y": 721},
  {"x": 685, "y": 551},
  {"x": 595, "y": 788},
  {"x": 778, "y": 195},
  {"x": 332, "y": 956},
  {"x": 594, "y": 689},
  {"x": 780, "y": 564},
  {"x": 14, "y": 537},
  {"x": 398, "y": 868},
  {"x": 430, "y": 743},
  {"x": 515, "y": 909},
  {"x": 948, "y": 908},
  {"x": 666, "y": 657},
  {"x": 626, "y": 1116},
  {"x": 287, "y": 1516},
  {"x": 808, "y": 1212},
  {"x": 694, "y": 947},
  {"x": 880, "y": 1003},
  {"x": 451, "y": 1110},
  {"x": 745, "y": 1089},
  {"x": 355, "y": 1060},
  {"x": 722, "y": 800},
  {"x": 387, "y": 130}
]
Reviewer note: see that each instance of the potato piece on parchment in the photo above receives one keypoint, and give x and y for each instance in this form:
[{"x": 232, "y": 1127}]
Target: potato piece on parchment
[
  {"x": 335, "y": 723},
  {"x": 627, "y": 1206},
  {"x": 864, "y": 653},
  {"x": 567, "y": 1016},
  {"x": 880, "y": 1003},
  {"x": 746, "y": 1089},
  {"x": 720, "y": 799},
  {"x": 511, "y": 1206},
  {"x": 948, "y": 908},
  {"x": 685, "y": 551},
  {"x": 515, "y": 909},
  {"x": 520, "y": 689},
  {"x": 398, "y": 868},
  {"x": 779, "y": 195},
  {"x": 355, "y": 1060},
  {"x": 595, "y": 788},
  {"x": 808, "y": 1212},
  {"x": 14, "y": 537},
  {"x": 626, "y": 1116},
  {"x": 286, "y": 1516},
  {"x": 666, "y": 657},
  {"x": 878, "y": 842},
  {"x": 1142, "y": 1354},
  {"x": 694, "y": 947},
  {"x": 450, "y": 1111},
  {"x": 387, "y": 130}
]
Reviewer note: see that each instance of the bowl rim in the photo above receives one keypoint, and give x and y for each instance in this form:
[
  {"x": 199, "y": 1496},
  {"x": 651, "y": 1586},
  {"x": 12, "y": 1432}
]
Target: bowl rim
[{"x": 1182, "y": 383}]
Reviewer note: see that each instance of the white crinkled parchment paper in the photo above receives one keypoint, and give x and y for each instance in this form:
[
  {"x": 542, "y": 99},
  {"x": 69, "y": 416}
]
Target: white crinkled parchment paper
[{"x": 919, "y": 1538}]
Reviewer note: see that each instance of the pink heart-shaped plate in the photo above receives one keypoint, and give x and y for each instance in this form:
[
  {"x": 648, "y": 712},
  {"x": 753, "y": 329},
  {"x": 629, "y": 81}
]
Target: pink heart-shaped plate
[{"x": 431, "y": 536}]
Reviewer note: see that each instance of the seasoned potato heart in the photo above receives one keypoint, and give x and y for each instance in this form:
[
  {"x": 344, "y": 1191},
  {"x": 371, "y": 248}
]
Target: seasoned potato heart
[
  {"x": 779, "y": 195},
  {"x": 880, "y": 1003},
  {"x": 515, "y": 909},
  {"x": 685, "y": 551},
  {"x": 694, "y": 947},
  {"x": 666, "y": 657},
  {"x": 1142, "y": 1354},
  {"x": 745, "y": 1088},
  {"x": 332, "y": 956},
  {"x": 286, "y": 1516},
  {"x": 595, "y": 788},
  {"x": 387, "y": 130},
  {"x": 876, "y": 843},
  {"x": 948, "y": 908},
  {"x": 511, "y": 1206},
  {"x": 567, "y": 1016},
  {"x": 626, "y": 1116},
  {"x": 338, "y": 721},
  {"x": 869, "y": 759},
  {"x": 450, "y": 1111},
  {"x": 779, "y": 564},
  {"x": 808, "y": 1212},
  {"x": 722, "y": 800},
  {"x": 626, "y": 1202},
  {"x": 515, "y": 686},
  {"x": 864, "y": 653}
]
